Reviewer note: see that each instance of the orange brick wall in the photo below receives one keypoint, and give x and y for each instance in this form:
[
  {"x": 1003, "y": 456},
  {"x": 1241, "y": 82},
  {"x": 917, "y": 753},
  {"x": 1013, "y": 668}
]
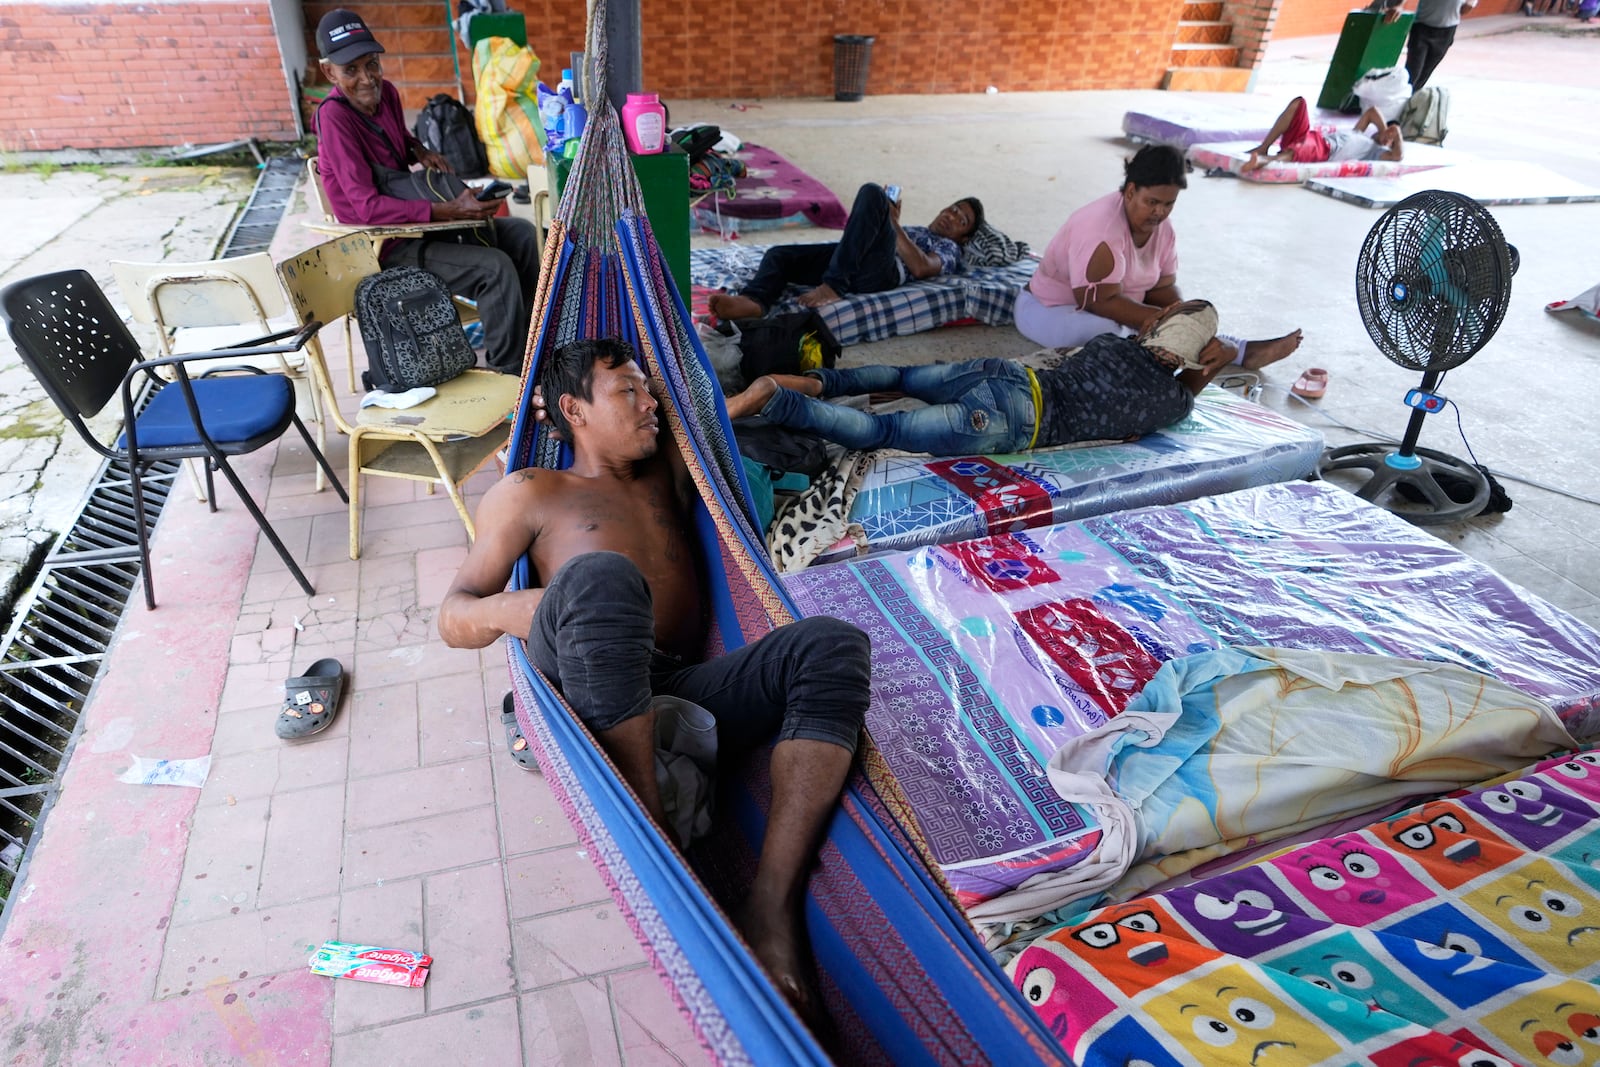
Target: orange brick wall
[
  {"x": 1254, "y": 23},
  {"x": 741, "y": 48},
  {"x": 139, "y": 75},
  {"x": 1313, "y": 18}
]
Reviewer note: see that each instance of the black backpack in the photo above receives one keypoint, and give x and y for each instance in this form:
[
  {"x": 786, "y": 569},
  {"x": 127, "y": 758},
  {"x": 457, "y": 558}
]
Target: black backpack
[
  {"x": 445, "y": 126},
  {"x": 411, "y": 330},
  {"x": 774, "y": 344}
]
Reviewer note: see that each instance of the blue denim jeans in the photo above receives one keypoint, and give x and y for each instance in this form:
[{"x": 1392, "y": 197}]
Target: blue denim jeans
[
  {"x": 983, "y": 405},
  {"x": 593, "y": 636},
  {"x": 863, "y": 260}
]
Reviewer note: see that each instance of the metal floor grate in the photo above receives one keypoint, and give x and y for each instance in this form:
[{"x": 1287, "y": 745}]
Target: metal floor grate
[
  {"x": 256, "y": 225},
  {"x": 66, "y": 620}
]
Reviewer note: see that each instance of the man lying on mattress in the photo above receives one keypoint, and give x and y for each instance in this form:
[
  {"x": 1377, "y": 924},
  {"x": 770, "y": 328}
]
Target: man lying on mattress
[
  {"x": 1300, "y": 142},
  {"x": 875, "y": 253},
  {"x": 1111, "y": 389},
  {"x": 619, "y": 616}
]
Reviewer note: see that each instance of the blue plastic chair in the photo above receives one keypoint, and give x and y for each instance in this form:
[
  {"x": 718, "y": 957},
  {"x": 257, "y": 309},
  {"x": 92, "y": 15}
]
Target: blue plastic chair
[{"x": 75, "y": 344}]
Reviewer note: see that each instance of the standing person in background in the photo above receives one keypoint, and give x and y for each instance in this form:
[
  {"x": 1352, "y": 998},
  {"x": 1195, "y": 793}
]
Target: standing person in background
[{"x": 1432, "y": 33}]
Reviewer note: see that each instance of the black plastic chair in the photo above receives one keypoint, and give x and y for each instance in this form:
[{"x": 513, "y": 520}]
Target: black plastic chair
[{"x": 75, "y": 344}]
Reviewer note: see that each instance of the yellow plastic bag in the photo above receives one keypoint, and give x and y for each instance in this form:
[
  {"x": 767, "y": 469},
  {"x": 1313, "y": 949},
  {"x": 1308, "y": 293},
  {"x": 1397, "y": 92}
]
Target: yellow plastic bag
[{"x": 507, "y": 114}]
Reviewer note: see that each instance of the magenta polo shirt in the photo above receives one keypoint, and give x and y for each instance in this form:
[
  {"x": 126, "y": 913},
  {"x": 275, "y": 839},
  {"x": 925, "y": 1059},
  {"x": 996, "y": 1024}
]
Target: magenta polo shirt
[{"x": 348, "y": 145}]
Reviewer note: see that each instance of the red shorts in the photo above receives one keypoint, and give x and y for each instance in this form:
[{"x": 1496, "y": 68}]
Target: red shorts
[{"x": 1307, "y": 144}]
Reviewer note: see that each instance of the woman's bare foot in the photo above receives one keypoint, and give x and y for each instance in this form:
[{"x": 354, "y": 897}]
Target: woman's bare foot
[
  {"x": 758, "y": 392},
  {"x": 822, "y": 294},
  {"x": 734, "y": 306},
  {"x": 1258, "y": 354}
]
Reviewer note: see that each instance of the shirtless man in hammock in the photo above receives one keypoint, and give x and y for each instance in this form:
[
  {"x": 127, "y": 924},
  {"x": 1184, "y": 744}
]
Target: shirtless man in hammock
[{"x": 620, "y": 615}]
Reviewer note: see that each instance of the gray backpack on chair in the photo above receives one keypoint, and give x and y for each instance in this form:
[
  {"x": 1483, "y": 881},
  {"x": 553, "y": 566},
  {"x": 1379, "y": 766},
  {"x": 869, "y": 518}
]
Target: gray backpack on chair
[
  {"x": 1425, "y": 118},
  {"x": 411, "y": 330}
]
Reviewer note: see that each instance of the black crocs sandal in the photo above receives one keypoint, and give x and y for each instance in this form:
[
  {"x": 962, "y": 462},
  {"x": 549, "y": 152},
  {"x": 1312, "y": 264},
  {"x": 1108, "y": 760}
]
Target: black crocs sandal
[
  {"x": 310, "y": 701},
  {"x": 521, "y": 751}
]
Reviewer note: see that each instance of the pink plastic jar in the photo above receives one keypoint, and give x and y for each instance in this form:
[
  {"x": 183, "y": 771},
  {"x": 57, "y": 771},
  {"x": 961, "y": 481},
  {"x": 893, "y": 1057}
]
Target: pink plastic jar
[{"x": 644, "y": 123}]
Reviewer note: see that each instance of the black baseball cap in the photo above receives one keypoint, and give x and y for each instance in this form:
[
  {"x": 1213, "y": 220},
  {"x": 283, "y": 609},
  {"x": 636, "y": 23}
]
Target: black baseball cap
[{"x": 342, "y": 35}]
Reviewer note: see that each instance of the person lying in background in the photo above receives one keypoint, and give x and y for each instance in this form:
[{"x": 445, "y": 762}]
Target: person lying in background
[
  {"x": 874, "y": 254},
  {"x": 1110, "y": 389},
  {"x": 1300, "y": 142}
]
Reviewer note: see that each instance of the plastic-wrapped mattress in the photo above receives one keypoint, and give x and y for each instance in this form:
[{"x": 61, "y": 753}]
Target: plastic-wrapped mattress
[{"x": 988, "y": 654}]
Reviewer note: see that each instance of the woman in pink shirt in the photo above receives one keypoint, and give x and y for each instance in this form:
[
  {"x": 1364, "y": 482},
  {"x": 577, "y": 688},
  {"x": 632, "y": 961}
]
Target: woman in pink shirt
[{"x": 1114, "y": 266}]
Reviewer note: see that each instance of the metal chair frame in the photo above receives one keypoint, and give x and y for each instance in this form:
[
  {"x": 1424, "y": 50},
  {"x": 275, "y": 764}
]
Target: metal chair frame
[
  {"x": 74, "y": 343},
  {"x": 442, "y": 441}
]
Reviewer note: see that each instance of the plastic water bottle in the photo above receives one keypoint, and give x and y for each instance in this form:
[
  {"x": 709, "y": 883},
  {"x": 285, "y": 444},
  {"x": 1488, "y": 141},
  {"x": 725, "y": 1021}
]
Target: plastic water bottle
[{"x": 573, "y": 116}]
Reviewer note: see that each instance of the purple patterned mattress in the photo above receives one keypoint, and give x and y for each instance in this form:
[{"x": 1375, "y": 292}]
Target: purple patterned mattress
[
  {"x": 1180, "y": 125},
  {"x": 774, "y": 188},
  {"x": 987, "y": 654}
]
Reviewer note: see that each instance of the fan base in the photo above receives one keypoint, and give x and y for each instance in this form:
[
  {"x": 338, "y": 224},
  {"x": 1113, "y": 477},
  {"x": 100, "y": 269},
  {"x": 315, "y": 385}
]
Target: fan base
[{"x": 1388, "y": 469}]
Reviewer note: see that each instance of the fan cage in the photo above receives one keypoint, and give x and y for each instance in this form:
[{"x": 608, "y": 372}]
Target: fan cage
[{"x": 1433, "y": 280}]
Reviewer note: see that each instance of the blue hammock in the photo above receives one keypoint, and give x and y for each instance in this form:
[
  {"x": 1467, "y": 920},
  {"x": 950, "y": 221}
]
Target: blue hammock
[{"x": 902, "y": 973}]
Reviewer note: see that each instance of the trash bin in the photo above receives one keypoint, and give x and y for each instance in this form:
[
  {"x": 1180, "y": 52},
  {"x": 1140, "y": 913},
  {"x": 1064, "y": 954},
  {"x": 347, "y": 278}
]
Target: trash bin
[{"x": 852, "y": 56}]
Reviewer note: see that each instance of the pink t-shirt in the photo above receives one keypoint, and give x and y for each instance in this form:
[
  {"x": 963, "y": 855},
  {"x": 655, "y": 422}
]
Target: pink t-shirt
[{"x": 1065, "y": 264}]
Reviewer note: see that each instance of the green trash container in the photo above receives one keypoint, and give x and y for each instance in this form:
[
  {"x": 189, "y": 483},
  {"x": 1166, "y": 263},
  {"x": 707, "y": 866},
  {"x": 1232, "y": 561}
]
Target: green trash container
[
  {"x": 664, "y": 178},
  {"x": 1366, "y": 43}
]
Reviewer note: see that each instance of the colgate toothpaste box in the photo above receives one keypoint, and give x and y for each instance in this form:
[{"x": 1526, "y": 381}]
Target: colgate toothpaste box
[{"x": 371, "y": 963}]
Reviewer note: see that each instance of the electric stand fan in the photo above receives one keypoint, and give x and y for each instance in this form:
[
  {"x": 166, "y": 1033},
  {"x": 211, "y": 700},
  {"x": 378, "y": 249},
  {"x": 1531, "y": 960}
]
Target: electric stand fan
[{"x": 1433, "y": 281}]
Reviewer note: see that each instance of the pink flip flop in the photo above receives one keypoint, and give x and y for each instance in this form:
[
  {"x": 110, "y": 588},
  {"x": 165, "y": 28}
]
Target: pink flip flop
[{"x": 1311, "y": 384}]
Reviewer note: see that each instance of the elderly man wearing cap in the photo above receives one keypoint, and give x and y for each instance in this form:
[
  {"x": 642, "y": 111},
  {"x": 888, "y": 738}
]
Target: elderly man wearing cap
[{"x": 362, "y": 137}]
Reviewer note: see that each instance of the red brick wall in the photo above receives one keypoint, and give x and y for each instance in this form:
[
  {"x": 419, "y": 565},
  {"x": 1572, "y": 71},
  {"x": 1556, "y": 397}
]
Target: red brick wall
[
  {"x": 139, "y": 75},
  {"x": 1313, "y": 18},
  {"x": 741, "y": 48},
  {"x": 416, "y": 45}
]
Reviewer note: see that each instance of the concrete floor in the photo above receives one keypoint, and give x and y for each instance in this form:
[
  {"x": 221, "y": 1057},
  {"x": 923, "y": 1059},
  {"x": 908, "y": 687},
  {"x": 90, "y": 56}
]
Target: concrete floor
[{"x": 169, "y": 925}]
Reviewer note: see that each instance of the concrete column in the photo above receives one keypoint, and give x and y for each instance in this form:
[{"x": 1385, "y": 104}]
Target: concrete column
[{"x": 625, "y": 68}]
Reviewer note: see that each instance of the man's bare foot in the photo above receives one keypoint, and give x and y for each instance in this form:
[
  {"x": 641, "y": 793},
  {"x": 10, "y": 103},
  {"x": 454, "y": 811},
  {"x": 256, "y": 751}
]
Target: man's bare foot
[
  {"x": 758, "y": 392},
  {"x": 753, "y": 399},
  {"x": 822, "y": 294},
  {"x": 800, "y": 383},
  {"x": 1257, "y": 160},
  {"x": 1258, "y": 354},
  {"x": 779, "y": 945},
  {"x": 734, "y": 306}
]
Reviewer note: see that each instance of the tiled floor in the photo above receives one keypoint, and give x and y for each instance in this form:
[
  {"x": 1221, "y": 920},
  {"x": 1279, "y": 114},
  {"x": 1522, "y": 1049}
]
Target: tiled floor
[
  {"x": 405, "y": 823},
  {"x": 167, "y": 925}
]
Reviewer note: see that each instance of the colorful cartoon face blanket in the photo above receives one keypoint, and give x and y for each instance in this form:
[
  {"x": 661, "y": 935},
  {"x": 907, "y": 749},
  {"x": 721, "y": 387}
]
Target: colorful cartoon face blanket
[
  {"x": 989, "y": 655},
  {"x": 1464, "y": 931}
]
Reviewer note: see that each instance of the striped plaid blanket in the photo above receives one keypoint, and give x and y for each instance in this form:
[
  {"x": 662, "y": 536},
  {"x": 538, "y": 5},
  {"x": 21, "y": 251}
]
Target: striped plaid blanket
[{"x": 985, "y": 294}]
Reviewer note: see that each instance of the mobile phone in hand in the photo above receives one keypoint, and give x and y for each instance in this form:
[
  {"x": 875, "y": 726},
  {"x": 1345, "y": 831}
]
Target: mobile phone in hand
[
  {"x": 892, "y": 192},
  {"x": 495, "y": 190}
]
